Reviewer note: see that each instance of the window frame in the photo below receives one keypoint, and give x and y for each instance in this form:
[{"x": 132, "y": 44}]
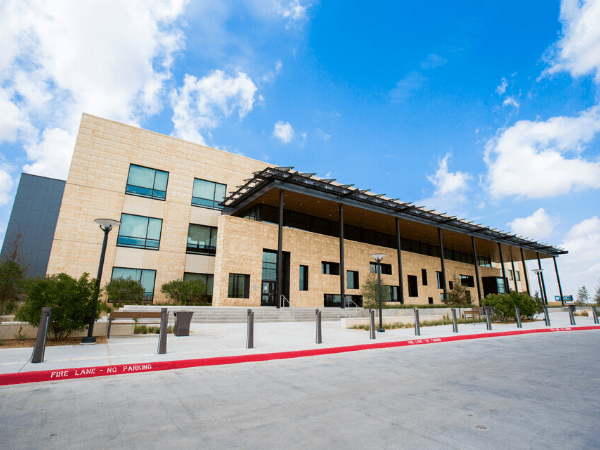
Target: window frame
[
  {"x": 470, "y": 280},
  {"x": 206, "y": 250},
  {"x": 215, "y": 204},
  {"x": 330, "y": 268},
  {"x": 146, "y": 296},
  {"x": 209, "y": 287},
  {"x": 246, "y": 288},
  {"x": 151, "y": 195},
  {"x": 424, "y": 276},
  {"x": 384, "y": 268},
  {"x": 145, "y": 247},
  {"x": 354, "y": 275},
  {"x": 303, "y": 278}
]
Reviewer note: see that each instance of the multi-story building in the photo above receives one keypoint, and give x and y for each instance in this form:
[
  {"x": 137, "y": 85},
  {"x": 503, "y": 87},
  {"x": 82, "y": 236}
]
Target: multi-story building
[{"x": 263, "y": 235}]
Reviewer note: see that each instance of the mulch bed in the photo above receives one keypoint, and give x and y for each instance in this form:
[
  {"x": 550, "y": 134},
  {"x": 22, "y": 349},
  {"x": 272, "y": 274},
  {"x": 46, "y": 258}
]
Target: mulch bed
[{"x": 23, "y": 343}]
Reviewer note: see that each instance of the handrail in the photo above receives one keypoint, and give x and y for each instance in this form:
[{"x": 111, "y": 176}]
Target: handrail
[
  {"x": 282, "y": 300},
  {"x": 353, "y": 302}
]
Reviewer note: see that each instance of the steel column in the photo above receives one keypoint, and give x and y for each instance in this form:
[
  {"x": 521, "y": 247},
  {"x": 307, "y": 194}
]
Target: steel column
[
  {"x": 443, "y": 265},
  {"x": 542, "y": 277},
  {"x": 525, "y": 272},
  {"x": 512, "y": 263},
  {"x": 342, "y": 270},
  {"x": 476, "y": 271},
  {"x": 400, "y": 284},
  {"x": 280, "y": 251},
  {"x": 562, "y": 300},
  {"x": 506, "y": 288}
]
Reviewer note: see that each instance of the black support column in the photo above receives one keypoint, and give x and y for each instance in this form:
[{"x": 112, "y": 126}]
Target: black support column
[
  {"x": 342, "y": 270},
  {"x": 542, "y": 278},
  {"x": 400, "y": 284},
  {"x": 476, "y": 269},
  {"x": 512, "y": 263},
  {"x": 280, "y": 251},
  {"x": 443, "y": 265},
  {"x": 506, "y": 289},
  {"x": 525, "y": 272},
  {"x": 562, "y": 300}
]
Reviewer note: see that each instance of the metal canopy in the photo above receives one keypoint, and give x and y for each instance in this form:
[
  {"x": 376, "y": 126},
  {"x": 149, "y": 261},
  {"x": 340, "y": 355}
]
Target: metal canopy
[{"x": 281, "y": 176}]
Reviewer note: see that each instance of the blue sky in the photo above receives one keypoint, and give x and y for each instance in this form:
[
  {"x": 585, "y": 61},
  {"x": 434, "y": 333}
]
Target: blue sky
[{"x": 485, "y": 110}]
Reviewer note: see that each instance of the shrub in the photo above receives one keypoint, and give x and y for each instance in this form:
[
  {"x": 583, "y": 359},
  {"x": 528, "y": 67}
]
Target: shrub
[
  {"x": 71, "y": 301},
  {"x": 124, "y": 290},
  {"x": 192, "y": 292},
  {"x": 504, "y": 305},
  {"x": 12, "y": 277},
  {"x": 370, "y": 292},
  {"x": 459, "y": 296}
]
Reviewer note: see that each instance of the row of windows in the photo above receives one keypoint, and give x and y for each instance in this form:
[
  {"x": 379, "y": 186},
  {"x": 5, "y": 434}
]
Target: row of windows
[
  {"x": 292, "y": 219},
  {"x": 152, "y": 183}
]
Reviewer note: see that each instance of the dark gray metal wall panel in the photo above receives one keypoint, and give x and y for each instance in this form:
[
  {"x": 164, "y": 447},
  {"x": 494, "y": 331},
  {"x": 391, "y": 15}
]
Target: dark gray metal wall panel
[{"x": 34, "y": 215}]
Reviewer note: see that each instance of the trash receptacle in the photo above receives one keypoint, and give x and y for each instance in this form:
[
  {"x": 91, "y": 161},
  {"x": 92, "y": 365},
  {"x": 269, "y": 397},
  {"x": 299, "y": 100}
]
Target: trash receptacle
[{"x": 182, "y": 322}]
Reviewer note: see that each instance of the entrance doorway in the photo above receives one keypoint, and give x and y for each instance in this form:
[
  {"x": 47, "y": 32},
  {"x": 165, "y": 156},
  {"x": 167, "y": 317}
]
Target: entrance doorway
[
  {"x": 268, "y": 293},
  {"x": 267, "y": 297}
]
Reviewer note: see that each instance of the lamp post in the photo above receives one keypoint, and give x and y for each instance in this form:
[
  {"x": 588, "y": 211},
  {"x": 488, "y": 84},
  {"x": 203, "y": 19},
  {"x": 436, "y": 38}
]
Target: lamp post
[
  {"x": 538, "y": 272},
  {"x": 378, "y": 257},
  {"x": 105, "y": 225}
]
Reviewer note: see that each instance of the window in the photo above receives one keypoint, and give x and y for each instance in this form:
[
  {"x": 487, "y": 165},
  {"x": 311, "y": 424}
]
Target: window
[
  {"x": 202, "y": 240},
  {"x": 518, "y": 275},
  {"x": 208, "y": 194},
  {"x": 424, "y": 276},
  {"x": 207, "y": 279},
  {"x": 450, "y": 285},
  {"x": 146, "y": 182},
  {"x": 386, "y": 269},
  {"x": 352, "y": 280},
  {"x": 430, "y": 300},
  {"x": 510, "y": 274},
  {"x": 412, "y": 286},
  {"x": 393, "y": 293},
  {"x": 334, "y": 301},
  {"x": 304, "y": 278},
  {"x": 467, "y": 280},
  {"x": 440, "y": 280},
  {"x": 269, "y": 266},
  {"x": 139, "y": 232},
  {"x": 144, "y": 276},
  {"x": 484, "y": 261},
  {"x": 330, "y": 268},
  {"x": 239, "y": 286}
]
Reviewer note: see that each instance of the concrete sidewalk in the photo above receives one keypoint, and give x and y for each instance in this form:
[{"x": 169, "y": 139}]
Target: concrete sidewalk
[{"x": 218, "y": 340}]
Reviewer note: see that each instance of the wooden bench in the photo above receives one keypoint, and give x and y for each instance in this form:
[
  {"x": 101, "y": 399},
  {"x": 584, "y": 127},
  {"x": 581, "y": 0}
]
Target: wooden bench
[
  {"x": 472, "y": 313},
  {"x": 130, "y": 315}
]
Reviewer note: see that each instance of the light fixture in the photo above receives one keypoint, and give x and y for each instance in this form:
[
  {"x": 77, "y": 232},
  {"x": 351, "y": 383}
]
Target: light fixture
[{"x": 378, "y": 257}]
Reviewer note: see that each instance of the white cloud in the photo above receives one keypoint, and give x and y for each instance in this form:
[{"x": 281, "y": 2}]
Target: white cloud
[
  {"x": 6, "y": 185},
  {"x": 501, "y": 89},
  {"x": 433, "y": 61},
  {"x": 407, "y": 86},
  {"x": 53, "y": 151},
  {"x": 511, "y": 101},
  {"x": 539, "y": 225},
  {"x": 450, "y": 188},
  {"x": 201, "y": 104},
  {"x": 284, "y": 132},
  {"x": 291, "y": 9},
  {"x": 529, "y": 158},
  {"x": 61, "y": 58},
  {"x": 320, "y": 133},
  {"x": 270, "y": 76},
  {"x": 578, "y": 49}
]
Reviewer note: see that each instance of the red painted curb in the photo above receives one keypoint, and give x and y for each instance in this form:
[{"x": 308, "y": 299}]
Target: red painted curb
[{"x": 100, "y": 371}]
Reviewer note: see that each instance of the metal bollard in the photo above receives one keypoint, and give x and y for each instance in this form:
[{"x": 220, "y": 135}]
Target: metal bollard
[
  {"x": 417, "y": 323},
  {"x": 518, "y": 316},
  {"x": 162, "y": 337},
  {"x": 454, "y": 324},
  {"x": 372, "y": 324},
  {"x": 546, "y": 316},
  {"x": 595, "y": 314},
  {"x": 250, "y": 337},
  {"x": 572, "y": 314},
  {"x": 318, "y": 319},
  {"x": 40, "y": 341},
  {"x": 488, "y": 320}
]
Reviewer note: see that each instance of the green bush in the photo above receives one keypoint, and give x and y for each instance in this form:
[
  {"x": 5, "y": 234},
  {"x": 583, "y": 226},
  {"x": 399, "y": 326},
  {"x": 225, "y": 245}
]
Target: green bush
[
  {"x": 12, "y": 285},
  {"x": 186, "y": 293},
  {"x": 504, "y": 305},
  {"x": 122, "y": 291},
  {"x": 71, "y": 301}
]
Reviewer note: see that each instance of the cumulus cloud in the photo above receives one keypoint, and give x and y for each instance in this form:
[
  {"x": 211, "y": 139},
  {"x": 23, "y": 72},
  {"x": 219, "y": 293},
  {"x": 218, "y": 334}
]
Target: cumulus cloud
[
  {"x": 536, "y": 159},
  {"x": 61, "y": 58},
  {"x": 578, "y": 49},
  {"x": 6, "y": 185},
  {"x": 539, "y": 225},
  {"x": 501, "y": 89},
  {"x": 284, "y": 132},
  {"x": 407, "y": 86},
  {"x": 201, "y": 104},
  {"x": 511, "y": 101},
  {"x": 291, "y": 9},
  {"x": 432, "y": 62},
  {"x": 450, "y": 188}
]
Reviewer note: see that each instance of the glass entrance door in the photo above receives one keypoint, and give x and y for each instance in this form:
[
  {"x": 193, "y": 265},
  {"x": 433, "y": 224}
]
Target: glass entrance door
[{"x": 268, "y": 297}]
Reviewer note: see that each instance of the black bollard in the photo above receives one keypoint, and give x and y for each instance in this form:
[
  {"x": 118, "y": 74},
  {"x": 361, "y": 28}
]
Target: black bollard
[
  {"x": 40, "y": 341},
  {"x": 518, "y": 316},
  {"x": 546, "y": 316},
  {"x": 417, "y": 323},
  {"x": 595, "y": 314},
  {"x": 572, "y": 314},
  {"x": 372, "y": 324},
  {"x": 162, "y": 336},
  {"x": 454, "y": 324},
  {"x": 250, "y": 337},
  {"x": 318, "y": 319},
  {"x": 488, "y": 320}
]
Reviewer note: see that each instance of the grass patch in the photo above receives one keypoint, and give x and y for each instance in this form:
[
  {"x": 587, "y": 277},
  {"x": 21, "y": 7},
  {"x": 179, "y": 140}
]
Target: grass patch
[
  {"x": 434, "y": 323},
  {"x": 145, "y": 329}
]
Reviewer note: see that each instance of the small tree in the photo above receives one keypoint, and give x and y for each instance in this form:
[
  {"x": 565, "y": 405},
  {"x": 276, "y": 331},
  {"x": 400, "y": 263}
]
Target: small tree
[
  {"x": 582, "y": 296},
  {"x": 12, "y": 277},
  {"x": 504, "y": 305},
  {"x": 370, "y": 292},
  {"x": 71, "y": 301},
  {"x": 124, "y": 290},
  {"x": 192, "y": 292},
  {"x": 597, "y": 294},
  {"x": 459, "y": 296}
]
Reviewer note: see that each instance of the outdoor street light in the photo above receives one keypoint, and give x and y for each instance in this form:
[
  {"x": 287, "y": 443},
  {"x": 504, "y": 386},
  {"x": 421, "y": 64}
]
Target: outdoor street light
[
  {"x": 105, "y": 225},
  {"x": 378, "y": 257},
  {"x": 538, "y": 272}
]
